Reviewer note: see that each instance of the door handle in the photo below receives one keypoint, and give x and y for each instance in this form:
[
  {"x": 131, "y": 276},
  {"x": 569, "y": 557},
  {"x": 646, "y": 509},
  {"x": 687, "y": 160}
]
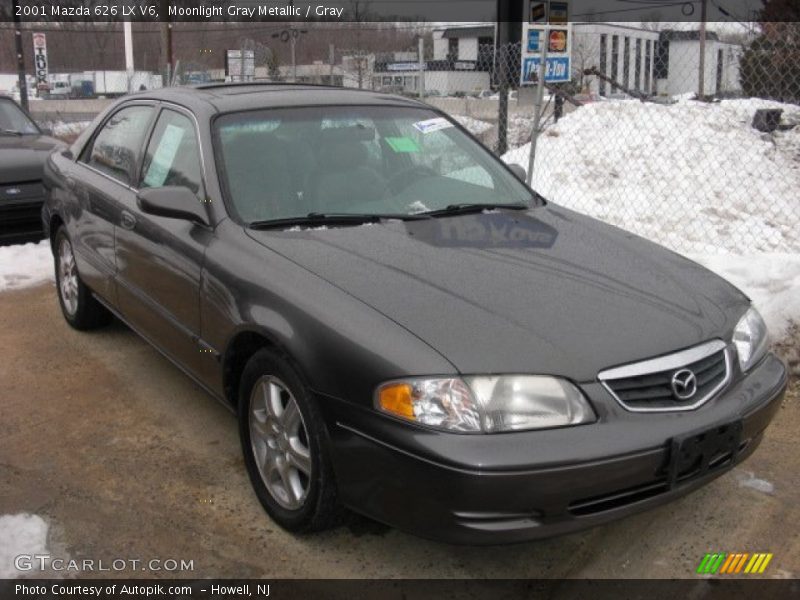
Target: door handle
[{"x": 127, "y": 221}]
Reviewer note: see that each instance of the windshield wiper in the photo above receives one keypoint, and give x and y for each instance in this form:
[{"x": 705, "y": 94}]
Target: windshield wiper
[
  {"x": 470, "y": 208},
  {"x": 331, "y": 219},
  {"x": 10, "y": 132}
]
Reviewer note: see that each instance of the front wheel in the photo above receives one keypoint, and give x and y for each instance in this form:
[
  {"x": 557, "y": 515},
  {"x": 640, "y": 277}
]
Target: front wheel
[
  {"x": 284, "y": 446},
  {"x": 80, "y": 309}
]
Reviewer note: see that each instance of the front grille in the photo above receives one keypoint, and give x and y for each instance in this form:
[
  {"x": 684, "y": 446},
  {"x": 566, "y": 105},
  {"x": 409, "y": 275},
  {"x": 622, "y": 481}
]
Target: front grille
[
  {"x": 14, "y": 192},
  {"x": 21, "y": 209},
  {"x": 648, "y": 386}
]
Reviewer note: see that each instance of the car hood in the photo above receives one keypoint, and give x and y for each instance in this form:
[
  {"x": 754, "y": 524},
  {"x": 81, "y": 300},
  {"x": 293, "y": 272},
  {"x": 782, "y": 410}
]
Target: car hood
[
  {"x": 544, "y": 291},
  {"x": 22, "y": 157}
]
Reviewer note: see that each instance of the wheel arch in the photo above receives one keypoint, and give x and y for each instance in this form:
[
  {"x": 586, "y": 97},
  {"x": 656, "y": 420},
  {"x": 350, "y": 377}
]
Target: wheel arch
[
  {"x": 54, "y": 224},
  {"x": 240, "y": 349}
]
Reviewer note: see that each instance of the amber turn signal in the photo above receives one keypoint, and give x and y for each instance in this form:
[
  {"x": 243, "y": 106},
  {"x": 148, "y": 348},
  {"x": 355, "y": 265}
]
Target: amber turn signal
[{"x": 396, "y": 398}]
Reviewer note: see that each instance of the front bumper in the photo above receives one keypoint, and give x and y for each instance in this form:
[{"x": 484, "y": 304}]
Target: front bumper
[{"x": 512, "y": 487}]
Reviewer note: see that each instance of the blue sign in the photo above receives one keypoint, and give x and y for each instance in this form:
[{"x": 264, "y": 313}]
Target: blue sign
[
  {"x": 533, "y": 40},
  {"x": 557, "y": 69}
]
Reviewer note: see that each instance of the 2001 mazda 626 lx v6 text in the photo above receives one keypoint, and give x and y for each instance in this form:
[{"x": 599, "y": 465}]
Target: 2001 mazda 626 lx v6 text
[{"x": 402, "y": 326}]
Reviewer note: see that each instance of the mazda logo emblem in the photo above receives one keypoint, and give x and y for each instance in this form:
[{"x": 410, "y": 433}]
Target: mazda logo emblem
[
  {"x": 13, "y": 191},
  {"x": 684, "y": 384}
]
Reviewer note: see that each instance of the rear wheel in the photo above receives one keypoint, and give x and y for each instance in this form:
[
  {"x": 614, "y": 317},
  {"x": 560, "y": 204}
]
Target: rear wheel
[
  {"x": 80, "y": 309},
  {"x": 284, "y": 445}
]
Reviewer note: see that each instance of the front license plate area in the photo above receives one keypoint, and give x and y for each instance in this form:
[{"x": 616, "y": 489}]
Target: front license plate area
[{"x": 696, "y": 454}]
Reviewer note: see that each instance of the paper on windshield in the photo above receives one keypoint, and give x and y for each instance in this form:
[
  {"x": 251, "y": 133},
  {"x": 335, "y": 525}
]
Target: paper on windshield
[{"x": 430, "y": 125}]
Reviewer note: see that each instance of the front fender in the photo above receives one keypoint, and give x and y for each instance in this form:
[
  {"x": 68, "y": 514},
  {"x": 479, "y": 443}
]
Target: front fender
[{"x": 343, "y": 347}]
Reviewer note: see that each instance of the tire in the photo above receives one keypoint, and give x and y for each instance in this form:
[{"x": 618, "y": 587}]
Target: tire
[
  {"x": 285, "y": 446},
  {"x": 80, "y": 309}
]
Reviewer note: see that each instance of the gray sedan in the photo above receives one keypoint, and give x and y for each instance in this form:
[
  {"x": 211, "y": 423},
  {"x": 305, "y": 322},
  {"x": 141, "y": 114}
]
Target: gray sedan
[{"x": 402, "y": 326}]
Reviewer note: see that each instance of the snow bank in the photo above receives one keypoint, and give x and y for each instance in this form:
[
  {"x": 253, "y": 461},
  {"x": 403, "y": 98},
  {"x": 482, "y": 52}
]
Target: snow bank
[
  {"x": 20, "y": 534},
  {"x": 61, "y": 129},
  {"x": 692, "y": 176},
  {"x": 474, "y": 126},
  {"x": 25, "y": 265}
]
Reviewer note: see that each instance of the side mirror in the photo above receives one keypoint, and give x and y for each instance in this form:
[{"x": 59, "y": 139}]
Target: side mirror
[
  {"x": 174, "y": 202},
  {"x": 519, "y": 171}
]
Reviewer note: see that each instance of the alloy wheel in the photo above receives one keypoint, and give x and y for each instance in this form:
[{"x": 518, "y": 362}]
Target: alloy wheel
[
  {"x": 279, "y": 441},
  {"x": 67, "y": 277}
]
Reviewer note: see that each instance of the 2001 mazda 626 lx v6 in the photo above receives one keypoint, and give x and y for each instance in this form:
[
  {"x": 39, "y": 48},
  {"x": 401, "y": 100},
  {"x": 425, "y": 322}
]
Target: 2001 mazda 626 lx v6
[{"x": 402, "y": 326}]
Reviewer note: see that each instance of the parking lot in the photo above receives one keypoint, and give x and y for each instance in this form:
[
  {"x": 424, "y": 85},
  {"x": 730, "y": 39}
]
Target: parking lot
[{"x": 124, "y": 457}]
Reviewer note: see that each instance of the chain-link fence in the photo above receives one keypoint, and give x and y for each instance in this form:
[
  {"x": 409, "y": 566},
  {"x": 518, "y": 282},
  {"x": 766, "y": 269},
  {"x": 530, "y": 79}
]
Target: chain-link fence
[{"x": 688, "y": 140}]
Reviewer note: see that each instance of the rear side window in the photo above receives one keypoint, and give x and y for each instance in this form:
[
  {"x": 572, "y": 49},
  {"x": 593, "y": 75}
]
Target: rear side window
[
  {"x": 116, "y": 148},
  {"x": 172, "y": 156}
]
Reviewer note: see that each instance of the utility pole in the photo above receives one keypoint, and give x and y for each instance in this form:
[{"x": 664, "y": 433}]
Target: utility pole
[
  {"x": 701, "y": 76},
  {"x": 290, "y": 35},
  {"x": 23, "y": 85},
  {"x": 508, "y": 32},
  {"x": 128, "y": 35},
  {"x": 166, "y": 41}
]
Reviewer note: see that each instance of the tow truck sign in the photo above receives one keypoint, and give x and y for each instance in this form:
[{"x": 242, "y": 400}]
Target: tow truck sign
[{"x": 40, "y": 60}]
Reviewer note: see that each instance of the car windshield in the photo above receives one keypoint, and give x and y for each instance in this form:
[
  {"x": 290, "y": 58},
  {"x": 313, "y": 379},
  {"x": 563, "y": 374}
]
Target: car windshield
[
  {"x": 356, "y": 160},
  {"x": 13, "y": 120}
]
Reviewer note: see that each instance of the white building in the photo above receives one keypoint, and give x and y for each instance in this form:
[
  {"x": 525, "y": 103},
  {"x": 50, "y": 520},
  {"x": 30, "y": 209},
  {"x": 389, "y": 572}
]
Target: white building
[
  {"x": 678, "y": 65},
  {"x": 625, "y": 54},
  {"x": 462, "y": 63},
  {"x": 659, "y": 63}
]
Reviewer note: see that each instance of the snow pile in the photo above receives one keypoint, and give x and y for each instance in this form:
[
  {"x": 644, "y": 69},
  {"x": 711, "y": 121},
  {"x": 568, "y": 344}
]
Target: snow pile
[
  {"x": 693, "y": 176},
  {"x": 475, "y": 126},
  {"x": 25, "y": 265},
  {"x": 64, "y": 130},
  {"x": 20, "y": 534},
  {"x": 771, "y": 280}
]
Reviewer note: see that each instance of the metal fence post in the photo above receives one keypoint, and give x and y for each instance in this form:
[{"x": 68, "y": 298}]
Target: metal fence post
[
  {"x": 421, "y": 61},
  {"x": 502, "y": 68},
  {"x": 538, "y": 103}
]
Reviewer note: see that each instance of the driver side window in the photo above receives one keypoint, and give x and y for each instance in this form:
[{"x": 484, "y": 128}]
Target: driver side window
[{"x": 116, "y": 147}]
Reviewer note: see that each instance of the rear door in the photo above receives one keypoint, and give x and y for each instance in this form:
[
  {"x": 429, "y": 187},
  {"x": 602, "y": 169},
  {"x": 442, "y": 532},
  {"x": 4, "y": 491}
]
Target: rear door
[
  {"x": 102, "y": 185},
  {"x": 160, "y": 259}
]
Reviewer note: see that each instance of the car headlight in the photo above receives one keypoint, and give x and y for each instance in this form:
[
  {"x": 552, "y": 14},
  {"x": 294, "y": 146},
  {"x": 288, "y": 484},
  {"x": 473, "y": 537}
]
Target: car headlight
[
  {"x": 486, "y": 404},
  {"x": 751, "y": 339}
]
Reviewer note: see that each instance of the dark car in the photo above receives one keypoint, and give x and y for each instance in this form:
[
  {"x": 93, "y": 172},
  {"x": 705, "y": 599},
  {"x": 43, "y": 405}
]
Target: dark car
[
  {"x": 23, "y": 151},
  {"x": 402, "y": 326}
]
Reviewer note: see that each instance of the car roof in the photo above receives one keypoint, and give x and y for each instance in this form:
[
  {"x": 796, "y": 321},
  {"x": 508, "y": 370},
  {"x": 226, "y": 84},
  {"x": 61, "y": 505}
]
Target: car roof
[{"x": 230, "y": 97}]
